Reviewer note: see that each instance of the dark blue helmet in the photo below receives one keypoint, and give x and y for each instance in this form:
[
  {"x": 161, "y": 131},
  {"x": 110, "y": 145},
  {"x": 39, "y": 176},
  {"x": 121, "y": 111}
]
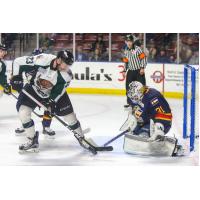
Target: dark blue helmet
[{"x": 37, "y": 52}]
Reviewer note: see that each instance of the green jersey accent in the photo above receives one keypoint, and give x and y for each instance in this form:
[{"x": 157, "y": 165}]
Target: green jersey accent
[
  {"x": 60, "y": 87},
  {"x": 3, "y": 77}
]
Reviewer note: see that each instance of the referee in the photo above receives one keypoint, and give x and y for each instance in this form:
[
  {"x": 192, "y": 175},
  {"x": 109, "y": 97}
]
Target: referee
[{"x": 135, "y": 62}]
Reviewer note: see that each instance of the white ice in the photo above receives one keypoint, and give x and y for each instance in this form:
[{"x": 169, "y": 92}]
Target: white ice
[{"x": 104, "y": 115}]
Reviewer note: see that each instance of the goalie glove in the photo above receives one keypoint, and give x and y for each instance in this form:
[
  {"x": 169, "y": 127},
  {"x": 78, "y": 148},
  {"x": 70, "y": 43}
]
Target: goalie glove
[{"x": 130, "y": 123}]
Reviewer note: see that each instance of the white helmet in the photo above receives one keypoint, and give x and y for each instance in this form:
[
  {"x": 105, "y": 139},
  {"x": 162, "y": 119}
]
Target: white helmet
[{"x": 135, "y": 91}]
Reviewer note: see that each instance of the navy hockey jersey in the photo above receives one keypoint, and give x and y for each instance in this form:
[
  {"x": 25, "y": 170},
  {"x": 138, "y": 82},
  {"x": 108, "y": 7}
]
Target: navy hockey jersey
[{"x": 154, "y": 106}]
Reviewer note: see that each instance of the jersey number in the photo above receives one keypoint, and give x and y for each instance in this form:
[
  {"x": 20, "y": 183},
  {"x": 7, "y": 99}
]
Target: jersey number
[{"x": 160, "y": 109}]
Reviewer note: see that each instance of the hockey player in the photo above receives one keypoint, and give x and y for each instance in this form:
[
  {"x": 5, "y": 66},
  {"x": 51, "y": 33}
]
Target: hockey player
[
  {"x": 3, "y": 77},
  {"x": 150, "y": 116},
  {"x": 49, "y": 87},
  {"x": 24, "y": 67}
]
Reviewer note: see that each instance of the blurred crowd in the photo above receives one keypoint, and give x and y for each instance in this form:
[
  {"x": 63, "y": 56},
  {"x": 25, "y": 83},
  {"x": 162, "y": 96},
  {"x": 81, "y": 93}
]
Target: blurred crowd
[
  {"x": 162, "y": 48},
  {"x": 159, "y": 47}
]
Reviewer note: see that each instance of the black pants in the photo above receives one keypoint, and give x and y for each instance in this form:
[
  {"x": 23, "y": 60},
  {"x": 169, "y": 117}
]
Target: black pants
[
  {"x": 63, "y": 105},
  {"x": 134, "y": 75}
]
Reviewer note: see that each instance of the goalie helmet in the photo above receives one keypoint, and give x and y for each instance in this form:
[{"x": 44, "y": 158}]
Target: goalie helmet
[
  {"x": 135, "y": 91},
  {"x": 66, "y": 56}
]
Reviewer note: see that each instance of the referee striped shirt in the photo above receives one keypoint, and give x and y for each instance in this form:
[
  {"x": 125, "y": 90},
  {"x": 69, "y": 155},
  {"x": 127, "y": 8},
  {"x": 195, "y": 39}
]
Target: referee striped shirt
[{"x": 136, "y": 58}]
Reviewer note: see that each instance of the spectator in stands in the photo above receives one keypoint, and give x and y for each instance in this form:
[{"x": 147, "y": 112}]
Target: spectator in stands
[
  {"x": 152, "y": 51},
  {"x": 8, "y": 38},
  {"x": 146, "y": 51},
  {"x": 162, "y": 58},
  {"x": 172, "y": 59},
  {"x": 96, "y": 55},
  {"x": 80, "y": 55},
  {"x": 99, "y": 43},
  {"x": 167, "y": 38},
  {"x": 117, "y": 56},
  {"x": 105, "y": 55},
  {"x": 185, "y": 50},
  {"x": 47, "y": 41},
  {"x": 194, "y": 60}
]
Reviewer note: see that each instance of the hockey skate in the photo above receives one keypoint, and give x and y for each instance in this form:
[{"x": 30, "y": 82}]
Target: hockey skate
[
  {"x": 48, "y": 133},
  {"x": 19, "y": 131},
  {"x": 32, "y": 144},
  {"x": 179, "y": 151}
]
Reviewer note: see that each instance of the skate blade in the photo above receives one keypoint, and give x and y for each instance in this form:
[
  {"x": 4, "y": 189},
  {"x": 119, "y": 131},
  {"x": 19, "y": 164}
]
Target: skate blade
[{"x": 36, "y": 150}]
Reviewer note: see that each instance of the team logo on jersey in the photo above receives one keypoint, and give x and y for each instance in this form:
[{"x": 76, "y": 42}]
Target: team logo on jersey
[{"x": 154, "y": 101}]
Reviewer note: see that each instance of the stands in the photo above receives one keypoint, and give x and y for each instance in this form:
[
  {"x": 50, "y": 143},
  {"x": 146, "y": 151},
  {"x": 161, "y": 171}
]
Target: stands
[{"x": 157, "y": 46}]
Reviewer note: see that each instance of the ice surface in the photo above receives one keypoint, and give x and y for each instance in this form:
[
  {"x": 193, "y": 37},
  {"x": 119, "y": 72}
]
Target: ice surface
[{"x": 104, "y": 115}]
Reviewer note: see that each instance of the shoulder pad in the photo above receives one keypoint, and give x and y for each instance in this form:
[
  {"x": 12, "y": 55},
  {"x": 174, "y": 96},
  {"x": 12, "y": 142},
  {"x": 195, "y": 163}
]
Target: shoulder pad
[{"x": 44, "y": 59}]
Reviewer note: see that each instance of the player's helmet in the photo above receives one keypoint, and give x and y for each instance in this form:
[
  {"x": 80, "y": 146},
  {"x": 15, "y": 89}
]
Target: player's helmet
[
  {"x": 66, "y": 56},
  {"x": 135, "y": 91},
  {"x": 37, "y": 52},
  {"x": 3, "y": 47}
]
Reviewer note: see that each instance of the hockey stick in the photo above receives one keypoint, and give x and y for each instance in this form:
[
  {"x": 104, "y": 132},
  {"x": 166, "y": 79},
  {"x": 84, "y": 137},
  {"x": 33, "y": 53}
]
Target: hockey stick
[
  {"x": 87, "y": 130},
  {"x": 116, "y": 137},
  {"x": 82, "y": 141}
]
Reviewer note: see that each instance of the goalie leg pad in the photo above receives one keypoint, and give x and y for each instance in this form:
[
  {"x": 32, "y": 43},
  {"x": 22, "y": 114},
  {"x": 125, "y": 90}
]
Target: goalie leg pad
[{"x": 141, "y": 146}]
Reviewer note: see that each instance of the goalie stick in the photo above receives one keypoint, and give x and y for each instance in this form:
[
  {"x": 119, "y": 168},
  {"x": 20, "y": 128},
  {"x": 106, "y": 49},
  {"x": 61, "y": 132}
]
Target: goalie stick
[
  {"x": 115, "y": 138},
  {"x": 82, "y": 141}
]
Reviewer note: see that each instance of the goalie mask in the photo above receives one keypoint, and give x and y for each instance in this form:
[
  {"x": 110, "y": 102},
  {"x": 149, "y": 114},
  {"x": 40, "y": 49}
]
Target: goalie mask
[{"x": 136, "y": 91}]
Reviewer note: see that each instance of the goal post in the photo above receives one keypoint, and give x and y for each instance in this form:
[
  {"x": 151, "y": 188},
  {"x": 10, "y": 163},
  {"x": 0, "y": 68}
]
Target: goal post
[{"x": 191, "y": 104}]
